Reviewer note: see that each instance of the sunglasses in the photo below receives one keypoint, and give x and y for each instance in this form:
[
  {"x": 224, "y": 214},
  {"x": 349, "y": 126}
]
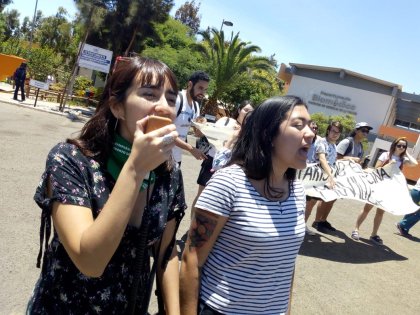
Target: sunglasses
[
  {"x": 365, "y": 130},
  {"x": 401, "y": 146},
  {"x": 314, "y": 128}
]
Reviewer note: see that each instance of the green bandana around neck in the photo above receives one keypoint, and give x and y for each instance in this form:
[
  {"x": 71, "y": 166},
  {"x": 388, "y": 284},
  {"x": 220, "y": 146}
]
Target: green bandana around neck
[{"x": 119, "y": 155}]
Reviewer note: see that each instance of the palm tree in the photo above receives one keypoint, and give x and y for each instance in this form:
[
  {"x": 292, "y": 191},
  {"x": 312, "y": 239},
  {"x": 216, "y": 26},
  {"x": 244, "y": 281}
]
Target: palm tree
[{"x": 229, "y": 60}]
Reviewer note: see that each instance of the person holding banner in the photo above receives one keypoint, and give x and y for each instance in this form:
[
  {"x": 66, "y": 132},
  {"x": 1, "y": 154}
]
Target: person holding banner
[
  {"x": 255, "y": 225},
  {"x": 311, "y": 153},
  {"x": 310, "y": 201},
  {"x": 115, "y": 197},
  {"x": 350, "y": 148},
  {"x": 410, "y": 219},
  {"x": 325, "y": 155},
  {"x": 222, "y": 156},
  {"x": 397, "y": 154}
]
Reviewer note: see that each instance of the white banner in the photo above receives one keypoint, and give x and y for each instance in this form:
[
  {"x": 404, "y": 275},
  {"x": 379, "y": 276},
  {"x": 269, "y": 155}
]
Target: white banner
[
  {"x": 95, "y": 58},
  {"x": 385, "y": 188},
  {"x": 216, "y": 135}
]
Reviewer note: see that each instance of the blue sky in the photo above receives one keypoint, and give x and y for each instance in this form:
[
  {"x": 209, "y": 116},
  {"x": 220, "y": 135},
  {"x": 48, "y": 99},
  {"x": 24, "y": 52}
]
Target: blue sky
[{"x": 378, "y": 38}]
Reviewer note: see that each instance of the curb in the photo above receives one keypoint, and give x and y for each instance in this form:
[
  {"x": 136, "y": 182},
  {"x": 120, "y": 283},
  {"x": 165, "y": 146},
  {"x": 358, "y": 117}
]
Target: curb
[{"x": 50, "y": 109}]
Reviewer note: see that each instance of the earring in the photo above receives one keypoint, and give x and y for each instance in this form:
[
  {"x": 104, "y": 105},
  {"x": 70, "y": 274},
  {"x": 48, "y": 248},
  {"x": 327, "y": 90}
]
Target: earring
[{"x": 116, "y": 125}]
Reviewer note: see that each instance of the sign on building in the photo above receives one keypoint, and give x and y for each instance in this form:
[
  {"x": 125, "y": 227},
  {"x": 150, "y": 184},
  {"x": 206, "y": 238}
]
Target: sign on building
[{"x": 95, "y": 58}]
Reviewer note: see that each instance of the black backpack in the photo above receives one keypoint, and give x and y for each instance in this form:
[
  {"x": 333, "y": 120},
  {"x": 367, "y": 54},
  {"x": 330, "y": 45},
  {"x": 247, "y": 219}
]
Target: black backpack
[
  {"x": 181, "y": 103},
  {"x": 349, "y": 149}
]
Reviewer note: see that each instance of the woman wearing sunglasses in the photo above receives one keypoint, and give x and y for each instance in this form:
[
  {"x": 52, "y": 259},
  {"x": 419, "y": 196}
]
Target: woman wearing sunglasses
[
  {"x": 397, "y": 154},
  {"x": 349, "y": 148}
]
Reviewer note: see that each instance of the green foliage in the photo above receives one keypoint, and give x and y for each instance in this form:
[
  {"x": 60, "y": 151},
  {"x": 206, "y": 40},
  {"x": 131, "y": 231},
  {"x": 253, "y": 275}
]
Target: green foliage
[
  {"x": 58, "y": 87},
  {"x": 348, "y": 121},
  {"x": 11, "y": 24},
  {"x": 43, "y": 62},
  {"x": 82, "y": 85},
  {"x": 229, "y": 62},
  {"x": 174, "y": 49},
  {"x": 56, "y": 32},
  {"x": 187, "y": 14},
  {"x": 256, "y": 87},
  {"x": 123, "y": 25},
  {"x": 4, "y": 3}
]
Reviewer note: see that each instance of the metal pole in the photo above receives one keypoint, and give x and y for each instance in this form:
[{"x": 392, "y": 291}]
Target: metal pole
[
  {"x": 69, "y": 85},
  {"x": 33, "y": 26}
]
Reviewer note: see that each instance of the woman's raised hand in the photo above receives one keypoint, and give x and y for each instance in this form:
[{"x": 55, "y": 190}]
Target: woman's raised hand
[{"x": 151, "y": 149}]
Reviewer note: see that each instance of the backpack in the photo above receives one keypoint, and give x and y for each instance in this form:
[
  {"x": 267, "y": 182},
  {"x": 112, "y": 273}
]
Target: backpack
[
  {"x": 350, "y": 147},
  {"x": 182, "y": 102},
  {"x": 19, "y": 74}
]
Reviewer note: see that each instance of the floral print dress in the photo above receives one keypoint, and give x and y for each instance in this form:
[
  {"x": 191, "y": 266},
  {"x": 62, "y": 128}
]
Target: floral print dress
[{"x": 62, "y": 288}]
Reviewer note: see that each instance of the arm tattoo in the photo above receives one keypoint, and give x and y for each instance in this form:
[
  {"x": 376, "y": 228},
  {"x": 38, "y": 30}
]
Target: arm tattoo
[{"x": 201, "y": 230}]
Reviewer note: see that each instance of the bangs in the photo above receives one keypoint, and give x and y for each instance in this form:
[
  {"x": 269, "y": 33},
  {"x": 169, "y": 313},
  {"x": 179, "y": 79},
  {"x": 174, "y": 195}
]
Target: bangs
[{"x": 156, "y": 73}]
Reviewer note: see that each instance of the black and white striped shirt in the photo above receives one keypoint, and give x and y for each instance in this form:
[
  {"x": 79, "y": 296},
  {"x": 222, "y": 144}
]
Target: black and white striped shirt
[{"x": 250, "y": 268}]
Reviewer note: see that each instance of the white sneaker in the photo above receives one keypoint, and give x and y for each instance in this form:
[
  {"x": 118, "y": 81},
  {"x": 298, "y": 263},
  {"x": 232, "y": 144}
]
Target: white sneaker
[{"x": 308, "y": 231}]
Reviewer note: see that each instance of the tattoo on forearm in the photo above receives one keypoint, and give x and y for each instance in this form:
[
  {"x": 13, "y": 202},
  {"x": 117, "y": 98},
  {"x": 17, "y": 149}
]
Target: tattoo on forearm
[{"x": 201, "y": 230}]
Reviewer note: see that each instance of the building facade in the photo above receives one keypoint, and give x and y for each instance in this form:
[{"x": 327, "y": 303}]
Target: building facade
[{"x": 336, "y": 91}]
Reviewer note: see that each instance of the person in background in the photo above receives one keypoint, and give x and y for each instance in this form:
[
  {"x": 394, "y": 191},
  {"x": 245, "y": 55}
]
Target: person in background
[
  {"x": 255, "y": 225},
  {"x": 311, "y": 153},
  {"x": 222, "y": 156},
  {"x": 206, "y": 171},
  {"x": 207, "y": 167},
  {"x": 188, "y": 109},
  {"x": 114, "y": 196},
  {"x": 326, "y": 155},
  {"x": 409, "y": 220},
  {"x": 350, "y": 148},
  {"x": 397, "y": 154},
  {"x": 311, "y": 201},
  {"x": 19, "y": 77}
]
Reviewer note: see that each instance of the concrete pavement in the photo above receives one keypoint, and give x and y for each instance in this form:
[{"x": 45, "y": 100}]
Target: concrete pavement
[{"x": 334, "y": 274}]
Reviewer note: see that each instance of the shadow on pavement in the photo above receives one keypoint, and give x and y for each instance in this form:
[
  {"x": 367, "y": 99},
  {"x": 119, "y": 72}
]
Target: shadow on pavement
[
  {"x": 409, "y": 237},
  {"x": 349, "y": 251}
]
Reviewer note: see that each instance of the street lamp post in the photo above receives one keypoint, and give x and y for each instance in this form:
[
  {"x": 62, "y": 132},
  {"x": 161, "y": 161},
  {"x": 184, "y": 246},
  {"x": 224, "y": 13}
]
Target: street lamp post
[
  {"x": 33, "y": 26},
  {"x": 227, "y": 23}
]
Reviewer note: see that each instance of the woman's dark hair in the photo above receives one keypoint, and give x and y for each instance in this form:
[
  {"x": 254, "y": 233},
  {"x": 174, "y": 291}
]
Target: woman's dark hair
[
  {"x": 97, "y": 135},
  {"x": 394, "y": 147},
  {"x": 335, "y": 124},
  {"x": 239, "y": 108},
  {"x": 253, "y": 149}
]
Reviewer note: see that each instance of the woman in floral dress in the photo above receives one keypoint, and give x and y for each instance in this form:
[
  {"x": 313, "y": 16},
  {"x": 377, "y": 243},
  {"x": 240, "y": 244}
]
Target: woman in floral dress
[{"x": 114, "y": 200}]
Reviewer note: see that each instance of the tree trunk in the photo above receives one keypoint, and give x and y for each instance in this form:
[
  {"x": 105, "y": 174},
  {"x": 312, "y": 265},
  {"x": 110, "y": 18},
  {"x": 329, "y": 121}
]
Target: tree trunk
[
  {"x": 210, "y": 107},
  {"x": 133, "y": 37}
]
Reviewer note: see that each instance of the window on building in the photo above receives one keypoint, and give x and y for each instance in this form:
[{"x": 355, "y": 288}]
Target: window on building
[{"x": 401, "y": 123}]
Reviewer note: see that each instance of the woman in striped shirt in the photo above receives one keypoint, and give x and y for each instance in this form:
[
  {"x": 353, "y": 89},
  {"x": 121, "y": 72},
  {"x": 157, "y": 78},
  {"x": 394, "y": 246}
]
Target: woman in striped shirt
[{"x": 249, "y": 221}]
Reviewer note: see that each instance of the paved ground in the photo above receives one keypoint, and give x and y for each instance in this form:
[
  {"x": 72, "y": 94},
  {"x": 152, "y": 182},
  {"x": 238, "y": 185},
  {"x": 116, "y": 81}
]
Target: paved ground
[{"x": 334, "y": 274}]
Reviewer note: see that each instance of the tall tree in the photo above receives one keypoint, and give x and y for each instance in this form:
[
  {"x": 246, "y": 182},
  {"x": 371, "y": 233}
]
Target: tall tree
[
  {"x": 4, "y": 3},
  {"x": 174, "y": 48},
  {"x": 56, "y": 32},
  {"x": 125, "y": 24},
  {"x": 12, "y": 24},
  {"x": 188, "y": 15},
  {"x": 229, "y": 60}
]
